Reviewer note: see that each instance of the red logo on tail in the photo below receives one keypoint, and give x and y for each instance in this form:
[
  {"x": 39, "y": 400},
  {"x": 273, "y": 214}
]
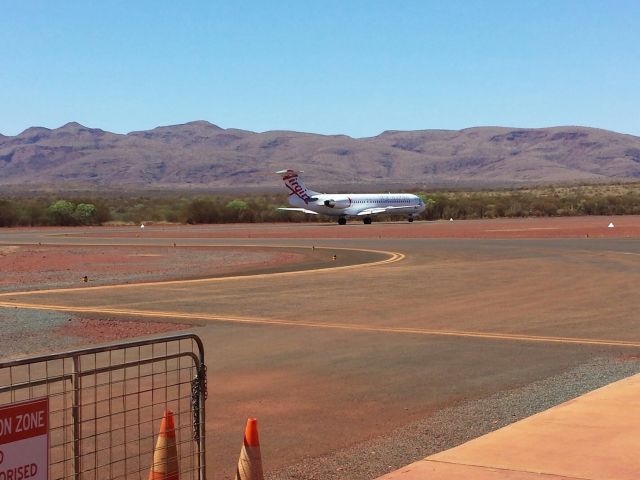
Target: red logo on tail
[{"x": 291, "y": 181}]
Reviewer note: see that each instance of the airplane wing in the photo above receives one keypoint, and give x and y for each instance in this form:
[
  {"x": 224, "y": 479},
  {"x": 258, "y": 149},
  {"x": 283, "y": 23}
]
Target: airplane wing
[
  {"x": 395, "y": 208},
  {"x": 304, "y": 210},
  {"x": 373, "y": 211}
]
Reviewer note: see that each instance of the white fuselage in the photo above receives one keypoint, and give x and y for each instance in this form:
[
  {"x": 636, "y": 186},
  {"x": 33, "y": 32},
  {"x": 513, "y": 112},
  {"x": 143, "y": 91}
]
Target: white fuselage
[
  {"x": 355, "y": 203},
  {"x": 342, "y": 205}
]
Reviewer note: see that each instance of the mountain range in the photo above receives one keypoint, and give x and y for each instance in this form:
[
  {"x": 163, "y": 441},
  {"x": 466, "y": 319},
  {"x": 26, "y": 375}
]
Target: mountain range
[{"x": 202, "y": 156}]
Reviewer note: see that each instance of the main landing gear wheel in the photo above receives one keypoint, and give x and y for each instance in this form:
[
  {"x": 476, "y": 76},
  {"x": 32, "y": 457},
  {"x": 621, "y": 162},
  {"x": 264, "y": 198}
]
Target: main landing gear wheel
[
  {"x": 410, "y": 219},
  {"x": 366, "y": 220},
  {"x": 342, "y": 221}
]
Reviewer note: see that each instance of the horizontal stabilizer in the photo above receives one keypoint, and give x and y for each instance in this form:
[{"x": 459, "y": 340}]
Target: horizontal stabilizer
[
  {"x": 304, "y": 210},
  {"x": 289, "y": 172}
]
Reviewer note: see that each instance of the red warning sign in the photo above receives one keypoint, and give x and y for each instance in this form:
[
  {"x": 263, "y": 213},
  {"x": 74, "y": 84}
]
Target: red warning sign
[{"x": 24, "y": 440}]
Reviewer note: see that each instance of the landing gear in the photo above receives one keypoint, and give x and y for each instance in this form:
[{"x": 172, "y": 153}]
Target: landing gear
[
  {"x": 410, "y": 219},
  {"x": 342, "y": 221},
  {"x": 366, "y": 220}
]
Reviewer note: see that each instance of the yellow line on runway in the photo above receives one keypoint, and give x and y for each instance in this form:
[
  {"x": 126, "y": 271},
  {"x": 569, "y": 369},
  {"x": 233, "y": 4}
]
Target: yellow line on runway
[
  {"x": 335, "y": 326},
  {"x": 393, "y": 257}
]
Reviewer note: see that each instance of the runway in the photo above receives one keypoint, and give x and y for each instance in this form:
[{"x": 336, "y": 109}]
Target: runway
[{"x": 331, "y": 358}]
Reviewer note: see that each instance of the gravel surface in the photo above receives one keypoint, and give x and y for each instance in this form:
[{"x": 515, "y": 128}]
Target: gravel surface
[
  {"x": 27, "y": 332},
  {"x": 453, "y": 426}
]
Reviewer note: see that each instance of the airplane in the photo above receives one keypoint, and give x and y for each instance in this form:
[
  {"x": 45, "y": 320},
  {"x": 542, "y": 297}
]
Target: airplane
[{"x": 342, "y": 205}]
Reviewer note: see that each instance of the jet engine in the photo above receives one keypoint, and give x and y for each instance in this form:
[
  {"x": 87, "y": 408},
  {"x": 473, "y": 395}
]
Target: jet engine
[{"x": 343, "y": 202}]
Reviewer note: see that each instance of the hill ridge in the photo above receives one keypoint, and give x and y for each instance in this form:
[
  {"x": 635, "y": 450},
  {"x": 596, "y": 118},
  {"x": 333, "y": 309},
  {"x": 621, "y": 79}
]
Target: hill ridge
[{"x": 202, "y": 155}]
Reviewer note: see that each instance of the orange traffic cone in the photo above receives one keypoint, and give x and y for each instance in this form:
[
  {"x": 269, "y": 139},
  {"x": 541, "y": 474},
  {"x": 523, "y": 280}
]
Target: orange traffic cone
[
  {"x": 250, "y": 462},
  {"x": 165, "y": 455}
]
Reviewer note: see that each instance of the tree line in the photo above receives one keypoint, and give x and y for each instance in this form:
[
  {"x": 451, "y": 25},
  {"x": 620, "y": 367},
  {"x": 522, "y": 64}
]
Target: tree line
[{"x": 621, "y": 199}]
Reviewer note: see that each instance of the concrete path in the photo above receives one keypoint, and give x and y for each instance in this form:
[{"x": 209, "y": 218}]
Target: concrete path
[{"x": 593, "y": 437}]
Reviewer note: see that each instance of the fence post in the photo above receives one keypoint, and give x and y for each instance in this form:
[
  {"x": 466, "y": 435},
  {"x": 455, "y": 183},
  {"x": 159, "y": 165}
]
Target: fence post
[
  {"x": 201, "y": 430},
  {"x": 76, "y": 379},
  {"x": 199, "y": 396}
]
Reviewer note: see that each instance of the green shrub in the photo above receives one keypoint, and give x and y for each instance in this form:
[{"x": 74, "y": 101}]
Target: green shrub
[{"x": 61, "y": 212}]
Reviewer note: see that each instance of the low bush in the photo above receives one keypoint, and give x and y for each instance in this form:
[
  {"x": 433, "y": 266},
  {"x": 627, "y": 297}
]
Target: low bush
[{"x": 617, "y": 199}]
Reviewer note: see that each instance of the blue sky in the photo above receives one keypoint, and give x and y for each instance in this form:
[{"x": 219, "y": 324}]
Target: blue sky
[{"x": 352, "y": 67}]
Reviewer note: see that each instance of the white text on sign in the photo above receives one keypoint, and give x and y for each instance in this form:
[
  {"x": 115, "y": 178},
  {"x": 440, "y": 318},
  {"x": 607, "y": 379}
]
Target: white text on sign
[{"x": 24, "y": 440}]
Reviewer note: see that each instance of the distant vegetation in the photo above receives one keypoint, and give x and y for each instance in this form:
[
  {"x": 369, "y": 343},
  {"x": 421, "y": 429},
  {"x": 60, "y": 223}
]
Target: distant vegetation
[{"x": 618, "y": 199}]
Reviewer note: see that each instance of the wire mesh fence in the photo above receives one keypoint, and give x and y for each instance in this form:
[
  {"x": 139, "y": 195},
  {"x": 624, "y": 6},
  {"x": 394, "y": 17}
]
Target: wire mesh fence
[{"x": 106, "y": 405}]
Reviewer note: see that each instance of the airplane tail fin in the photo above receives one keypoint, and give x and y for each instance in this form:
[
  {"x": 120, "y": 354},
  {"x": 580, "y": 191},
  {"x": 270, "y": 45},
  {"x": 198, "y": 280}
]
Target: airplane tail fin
[{"x": 295, "y": 185}]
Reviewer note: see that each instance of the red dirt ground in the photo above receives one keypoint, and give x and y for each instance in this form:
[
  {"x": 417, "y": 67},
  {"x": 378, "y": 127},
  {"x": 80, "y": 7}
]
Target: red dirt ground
[{"x": 109, "y": 330}]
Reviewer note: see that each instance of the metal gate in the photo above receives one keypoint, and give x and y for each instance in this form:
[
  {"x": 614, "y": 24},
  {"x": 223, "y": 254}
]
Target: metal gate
[{"x": 106, "y": 404}]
